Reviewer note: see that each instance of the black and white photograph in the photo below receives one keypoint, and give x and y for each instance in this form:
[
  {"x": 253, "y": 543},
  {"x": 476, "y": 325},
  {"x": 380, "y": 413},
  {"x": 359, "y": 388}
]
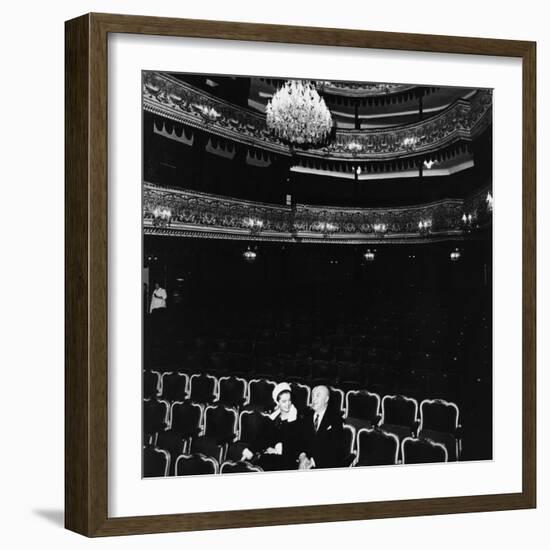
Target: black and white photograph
[{"x": 317, "y": 274}]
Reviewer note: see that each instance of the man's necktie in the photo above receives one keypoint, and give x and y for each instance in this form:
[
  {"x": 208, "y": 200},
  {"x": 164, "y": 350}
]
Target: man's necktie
[{"x": 316, "y": 421}]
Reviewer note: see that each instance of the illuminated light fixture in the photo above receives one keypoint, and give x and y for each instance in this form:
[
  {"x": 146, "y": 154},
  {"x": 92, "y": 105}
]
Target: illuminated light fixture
[
  {"x": 489, "y": 200},
  {"x": 468, "y": 221},
  {"x": 358, "y": 170},
  {"x": 326, "y": 228},
  {"x": 255, "y": 225},
  {"x": 209, "y": 114},
  {"x": 249, "y": 255},
  {"x": 354, "y": 147},
  {"x": 369, "y": 255},
  {"x": 425, "y": 227},
  {"x": 455, "y": 255},
  {"x": 429, "y": 163},
  {"x": 380, "y": 228},
  {"x": 162, "y": 216},
  {"x": 409, "y": 142},
  {"x": 298, "y": 114}
]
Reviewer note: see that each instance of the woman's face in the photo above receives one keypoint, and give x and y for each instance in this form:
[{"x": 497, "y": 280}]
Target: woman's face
[{"x": 285, "y": 402}]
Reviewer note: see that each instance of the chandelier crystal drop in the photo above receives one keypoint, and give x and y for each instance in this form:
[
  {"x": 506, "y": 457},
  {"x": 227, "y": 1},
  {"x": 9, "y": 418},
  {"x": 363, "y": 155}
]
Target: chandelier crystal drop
[{"x": 298, "y": 114}]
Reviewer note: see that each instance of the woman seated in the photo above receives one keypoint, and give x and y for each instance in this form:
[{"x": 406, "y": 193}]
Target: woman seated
[{"x": 281, "y": 437}]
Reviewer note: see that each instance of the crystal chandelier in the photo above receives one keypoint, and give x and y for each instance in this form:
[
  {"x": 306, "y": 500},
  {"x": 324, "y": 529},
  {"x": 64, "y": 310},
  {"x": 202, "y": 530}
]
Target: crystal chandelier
[{"x": 297, "y": 114}]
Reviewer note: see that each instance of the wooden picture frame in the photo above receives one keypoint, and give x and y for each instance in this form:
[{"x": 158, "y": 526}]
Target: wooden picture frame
[{"x": 86, "y": 283}]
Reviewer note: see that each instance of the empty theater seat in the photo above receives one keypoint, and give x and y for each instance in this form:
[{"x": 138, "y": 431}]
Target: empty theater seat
[
  {"x": 260, "y": 394},
  {"x": 175, "y": 386},
  {"x": 220, "y": 429},
  {"x": 155, "y": 418},
  {"x": 232, "y": 391},
  {"x": 156, "y": 462},
  {"x": 195, "y": 465},
  {"x": 419, "y": 451},
  {"x": 376, "y": 447},
  {"x": 399, "y": 415},
  {"x": 240, "y": 467},
  {"x": 439, "y": 421},
  {"x": 151, "y": 384},
  {"x": 202, "y": 388},
  {"x": 362, "y": 409}
]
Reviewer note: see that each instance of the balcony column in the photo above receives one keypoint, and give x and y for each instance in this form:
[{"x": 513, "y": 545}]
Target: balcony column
[
  {"x": 199, "y": 154},
  {"x": 292, "y": 160}
]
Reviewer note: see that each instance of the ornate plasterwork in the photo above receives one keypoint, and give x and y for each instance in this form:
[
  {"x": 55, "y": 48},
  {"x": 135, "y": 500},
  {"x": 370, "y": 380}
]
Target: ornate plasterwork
[
  {"x": 352, "y": 89},
  {"x": 362, "y": 89},
  {"x": 211, "y": 215},
  {"x": 168, "y": 97}
]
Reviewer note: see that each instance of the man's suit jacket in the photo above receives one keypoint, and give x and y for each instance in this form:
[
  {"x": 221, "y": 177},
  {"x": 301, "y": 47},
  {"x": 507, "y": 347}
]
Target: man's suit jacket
[{"x": 326, "y": 445}]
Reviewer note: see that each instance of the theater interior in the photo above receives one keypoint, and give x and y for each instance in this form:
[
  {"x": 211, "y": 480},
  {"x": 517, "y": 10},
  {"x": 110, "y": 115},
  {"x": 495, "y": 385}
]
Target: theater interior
[{"x": 360, "y": 259}]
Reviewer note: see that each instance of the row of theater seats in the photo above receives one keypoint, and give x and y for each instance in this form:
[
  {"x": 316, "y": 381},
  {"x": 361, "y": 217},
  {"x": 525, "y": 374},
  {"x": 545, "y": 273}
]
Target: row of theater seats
[
  {"x": 157, "y": 463},
  {"x": 436, "y": 330},
  {"x": 419, "y": 382},
  {"x": 205, "y": 415},
  {"x": 366, "y": 447},
  {"x": 238, "y": 393},
  {"x": 397, "y": 346},
  {"x": 339, "y": 346}
]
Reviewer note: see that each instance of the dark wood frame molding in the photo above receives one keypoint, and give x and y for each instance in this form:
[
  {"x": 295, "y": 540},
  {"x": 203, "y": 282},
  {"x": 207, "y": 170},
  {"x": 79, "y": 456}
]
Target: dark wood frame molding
[{"x": 86, "y": 274}]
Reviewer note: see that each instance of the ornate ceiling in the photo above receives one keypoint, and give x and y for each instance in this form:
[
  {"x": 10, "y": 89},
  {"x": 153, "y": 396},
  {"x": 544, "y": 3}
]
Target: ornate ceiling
[
  {"x": 214, "y": 169},
  {"x": 180, "y": 102}
]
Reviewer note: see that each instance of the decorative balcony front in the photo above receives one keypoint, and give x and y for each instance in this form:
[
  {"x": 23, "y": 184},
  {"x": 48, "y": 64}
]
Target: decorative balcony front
[
  {"x": 168, "y": 97},
  {"x": 176, "y": 212}
]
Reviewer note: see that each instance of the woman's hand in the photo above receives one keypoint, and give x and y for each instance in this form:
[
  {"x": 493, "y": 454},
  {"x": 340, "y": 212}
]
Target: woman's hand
[{"x": 304, "y": 463}]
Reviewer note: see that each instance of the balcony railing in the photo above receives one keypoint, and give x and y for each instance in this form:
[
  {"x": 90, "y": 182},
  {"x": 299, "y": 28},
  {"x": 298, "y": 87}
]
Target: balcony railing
[
  {"x": 211, "y": 215},
  {"x": 183, "y": 103}
]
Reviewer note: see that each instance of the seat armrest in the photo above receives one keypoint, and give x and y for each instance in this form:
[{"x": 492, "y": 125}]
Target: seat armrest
[{"x": 349, "y": 459}]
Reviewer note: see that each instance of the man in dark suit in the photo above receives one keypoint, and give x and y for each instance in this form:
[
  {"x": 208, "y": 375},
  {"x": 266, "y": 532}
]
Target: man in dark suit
[{"x": 322, "y": 441}]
